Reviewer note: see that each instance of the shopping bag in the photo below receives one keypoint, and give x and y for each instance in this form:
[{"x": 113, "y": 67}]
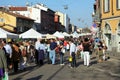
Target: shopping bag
[
  {"x": 5, "y": 76},
  {"x": 63, "y": 50},
  {"x": 70, "y": 59},
  {"x": 1, "y": 72}
]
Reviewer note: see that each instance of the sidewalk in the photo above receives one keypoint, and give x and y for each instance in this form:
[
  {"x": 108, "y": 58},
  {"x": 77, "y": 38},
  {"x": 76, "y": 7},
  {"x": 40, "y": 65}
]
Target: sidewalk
[
  {"x": 107, "y": 70},
  {"x": 111, "y": 66},
  {"x": 114, "y": 54}
]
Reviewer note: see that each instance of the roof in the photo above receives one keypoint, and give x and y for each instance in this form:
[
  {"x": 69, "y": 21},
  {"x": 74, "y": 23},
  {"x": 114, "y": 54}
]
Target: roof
[
  {"x": 19, "y": 16},
  {"x": 18, "y": 8}
]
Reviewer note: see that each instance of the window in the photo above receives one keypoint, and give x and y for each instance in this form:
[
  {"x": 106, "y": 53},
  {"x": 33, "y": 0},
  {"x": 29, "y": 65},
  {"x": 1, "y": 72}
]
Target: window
[
  {"x": 19, "y": 20},
  {"x": 106, "y": 5},
  {"x": 1, "y": 20},
  {"x": 107, "y": 27},
  {"x": 19, "y": 29},
  {"x": 118, "y": 4},
  {"x": 118, "y": 28}
]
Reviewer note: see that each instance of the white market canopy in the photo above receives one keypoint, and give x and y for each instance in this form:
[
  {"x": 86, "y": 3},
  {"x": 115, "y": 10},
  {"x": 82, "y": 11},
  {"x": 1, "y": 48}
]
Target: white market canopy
[
  {"x": 6, "y": 34},
  {"x": 58, "y": 34},
  {"x": 31, "y": 33},
  {"x": 49, "y": 36},
  {"x": 75, "y": 35},
  {"x": 66, "y": 34},
  {"x": 85, "y": 34}
]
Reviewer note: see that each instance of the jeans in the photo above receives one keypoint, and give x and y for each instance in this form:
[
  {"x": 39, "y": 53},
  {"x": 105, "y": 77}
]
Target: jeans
[
  {"x": 48, "y": 58},
  {"x": 61, "y": 57},
  {"x": 52, "y": 56},
  {"x": 73, "y": 63}
]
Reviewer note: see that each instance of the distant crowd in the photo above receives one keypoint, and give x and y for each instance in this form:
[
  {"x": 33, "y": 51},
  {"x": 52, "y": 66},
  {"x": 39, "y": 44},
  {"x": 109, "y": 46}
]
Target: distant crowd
[{"x": 17, "y": 56}]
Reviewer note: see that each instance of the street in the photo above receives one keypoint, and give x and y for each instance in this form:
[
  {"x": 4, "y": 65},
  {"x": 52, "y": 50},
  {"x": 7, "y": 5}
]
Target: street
[
  {"x": 33, "y": 32},
  {"x": 107, "y": 70}
]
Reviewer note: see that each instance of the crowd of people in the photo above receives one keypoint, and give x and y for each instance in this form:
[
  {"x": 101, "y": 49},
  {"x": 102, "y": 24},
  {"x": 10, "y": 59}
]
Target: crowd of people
[{"x": 18, "y": 55}]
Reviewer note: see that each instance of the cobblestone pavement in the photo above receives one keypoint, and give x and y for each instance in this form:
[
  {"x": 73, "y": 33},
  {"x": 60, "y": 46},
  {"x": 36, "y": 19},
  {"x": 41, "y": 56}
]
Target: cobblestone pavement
[{"x": 107, "y": 70}]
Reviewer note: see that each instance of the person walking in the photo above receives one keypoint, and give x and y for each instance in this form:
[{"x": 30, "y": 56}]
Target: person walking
[
  {"x": 23, "y": 59},
  {"x": 61, "y": 53},
  {"x": 41, "y": 52},
  {"x": 48, "y": 51},
  {"x": 28, "y": 50},
  {"x": 86, "y": 50},
  {"x": 3, "y": 63},
  {"x": 8, "y": 52},
  {"x": 15, "y": 56},
  {"x": 53, "y": 46},
  {"x": 37, "y": 43},
  {"x": 72, "y": 53}
]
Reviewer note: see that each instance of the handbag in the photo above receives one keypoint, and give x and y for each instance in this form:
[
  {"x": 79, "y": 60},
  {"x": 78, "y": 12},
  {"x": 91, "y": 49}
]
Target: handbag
[
  {"x": 1, "y": 72},
  {"x": 57, "y": 50},
  {"x": 70, "y": 59},
  {"x": 5, "y": 77},
  {"x": 63, "y": 50}
]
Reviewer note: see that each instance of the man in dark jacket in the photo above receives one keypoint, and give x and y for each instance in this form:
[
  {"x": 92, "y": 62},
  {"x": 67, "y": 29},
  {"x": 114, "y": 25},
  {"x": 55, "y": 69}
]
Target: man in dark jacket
[
  {"x": 53, "y": 46},
  {"x": 3, "y": 63}
]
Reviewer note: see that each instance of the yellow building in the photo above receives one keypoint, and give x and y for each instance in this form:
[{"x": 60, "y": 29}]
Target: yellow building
[
  {"x": 14, "y": 22},
  {"x": 110, "y": 23}
]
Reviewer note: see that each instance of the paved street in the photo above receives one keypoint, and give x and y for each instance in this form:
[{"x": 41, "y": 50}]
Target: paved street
[{"x": 108, "y": 70}]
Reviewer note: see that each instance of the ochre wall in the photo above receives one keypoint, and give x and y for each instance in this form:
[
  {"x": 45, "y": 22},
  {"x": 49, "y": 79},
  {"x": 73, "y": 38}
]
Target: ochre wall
[{"x": 9, "y": 21}]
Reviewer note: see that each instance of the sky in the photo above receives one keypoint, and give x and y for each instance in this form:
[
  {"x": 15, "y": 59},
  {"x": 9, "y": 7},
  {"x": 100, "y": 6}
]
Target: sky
[{"x": 79, "y": 11}]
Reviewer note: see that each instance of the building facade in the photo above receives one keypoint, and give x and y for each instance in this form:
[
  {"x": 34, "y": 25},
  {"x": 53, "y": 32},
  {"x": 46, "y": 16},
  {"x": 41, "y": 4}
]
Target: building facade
[
  {"x": 64, "y": 20},
  {"x": 47, "y": 21},
  {"x": 33, "y": 12},
  {"x": 96, "y": 16},
  {"x": 67, "y": 23},
  {"x": 59, "y": 27},
  {"x": 15, "y": 22},
  {"x": 110, "y": 23},
  {"x": 43, "y": 16}
]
